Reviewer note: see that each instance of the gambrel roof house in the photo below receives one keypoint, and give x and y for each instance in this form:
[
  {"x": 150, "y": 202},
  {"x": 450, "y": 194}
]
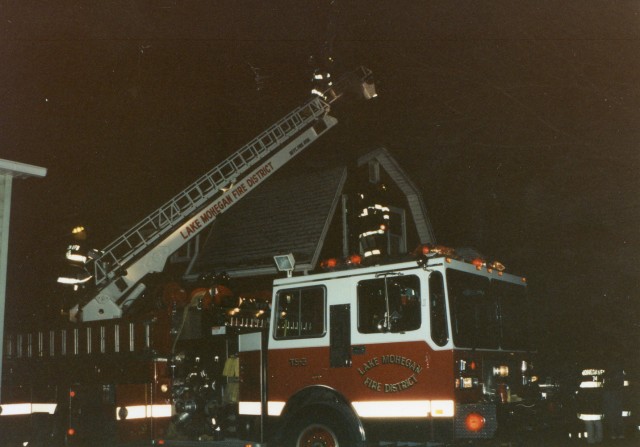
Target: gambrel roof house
[{"x": 308, "y": 213}]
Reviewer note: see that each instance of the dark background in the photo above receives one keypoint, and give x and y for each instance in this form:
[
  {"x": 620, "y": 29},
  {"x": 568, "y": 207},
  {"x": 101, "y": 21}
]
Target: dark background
[{"x": 519, "y": 121}]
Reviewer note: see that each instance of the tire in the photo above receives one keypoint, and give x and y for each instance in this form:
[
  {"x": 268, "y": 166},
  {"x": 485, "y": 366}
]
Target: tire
[{"x": 322, "y": 428}]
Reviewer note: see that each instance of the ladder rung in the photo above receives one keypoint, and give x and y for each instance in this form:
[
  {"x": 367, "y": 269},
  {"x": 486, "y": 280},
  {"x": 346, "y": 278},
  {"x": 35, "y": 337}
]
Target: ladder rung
[{"x": 123, "y": 249}]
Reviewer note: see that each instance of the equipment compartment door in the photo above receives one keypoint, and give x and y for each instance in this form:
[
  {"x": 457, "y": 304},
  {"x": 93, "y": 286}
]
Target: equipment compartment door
[{"x": 340, "y": 336}]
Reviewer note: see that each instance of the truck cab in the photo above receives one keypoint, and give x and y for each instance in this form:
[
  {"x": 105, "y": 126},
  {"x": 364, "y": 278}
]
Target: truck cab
[{"x": 430, "y": 349}]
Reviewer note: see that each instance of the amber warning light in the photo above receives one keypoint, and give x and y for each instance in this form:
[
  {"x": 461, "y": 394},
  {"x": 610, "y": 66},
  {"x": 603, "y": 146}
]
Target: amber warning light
[{"x": 474, "y": 422}]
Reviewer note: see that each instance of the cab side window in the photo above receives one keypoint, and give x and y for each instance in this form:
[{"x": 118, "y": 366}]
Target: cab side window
[
  {"x": 389, "y": 304},
  {"x": 301, "y": 313}
]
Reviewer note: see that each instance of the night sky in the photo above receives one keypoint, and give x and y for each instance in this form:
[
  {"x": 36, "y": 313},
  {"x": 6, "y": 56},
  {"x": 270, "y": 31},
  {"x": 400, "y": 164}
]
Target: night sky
[{"x": 518, "y": 120}]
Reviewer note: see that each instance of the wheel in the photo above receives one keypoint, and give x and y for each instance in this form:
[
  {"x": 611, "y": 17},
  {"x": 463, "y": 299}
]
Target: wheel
[
  {"x": 317, "y": 435},
  {"x": 321, "y": 429}
]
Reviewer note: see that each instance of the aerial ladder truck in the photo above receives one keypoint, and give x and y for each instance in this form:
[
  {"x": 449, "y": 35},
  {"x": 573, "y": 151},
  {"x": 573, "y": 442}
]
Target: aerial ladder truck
[
  {"x": 422, "y": 348},
  {"x": 55, "y": 379}
]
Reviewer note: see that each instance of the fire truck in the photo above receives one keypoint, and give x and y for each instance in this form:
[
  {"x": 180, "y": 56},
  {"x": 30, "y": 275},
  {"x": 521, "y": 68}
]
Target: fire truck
[{"x": 427, "y": 347}]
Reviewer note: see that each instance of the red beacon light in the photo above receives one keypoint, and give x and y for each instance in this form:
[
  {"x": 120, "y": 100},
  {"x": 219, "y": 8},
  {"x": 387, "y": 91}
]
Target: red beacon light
[
  {"x": 424, "y": 252},
  {"x": 435, "y": 250},
  {"x": 355, "y": 260},
  {"x": 330, "y": 263},
  {"x": 443, "y": 250}
]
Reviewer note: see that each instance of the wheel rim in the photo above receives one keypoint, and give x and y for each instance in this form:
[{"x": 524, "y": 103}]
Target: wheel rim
[{"x": 317, "y": 436}]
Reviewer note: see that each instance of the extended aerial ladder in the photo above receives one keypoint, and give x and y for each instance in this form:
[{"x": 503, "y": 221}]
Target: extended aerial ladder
[{"x": 118, "y": 270}]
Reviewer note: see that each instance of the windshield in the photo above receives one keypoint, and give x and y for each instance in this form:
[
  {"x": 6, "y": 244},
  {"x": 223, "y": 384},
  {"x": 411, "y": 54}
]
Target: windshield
[
  {"x": 485, "y": 313},
  {"x": 513, "y": 313}
]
